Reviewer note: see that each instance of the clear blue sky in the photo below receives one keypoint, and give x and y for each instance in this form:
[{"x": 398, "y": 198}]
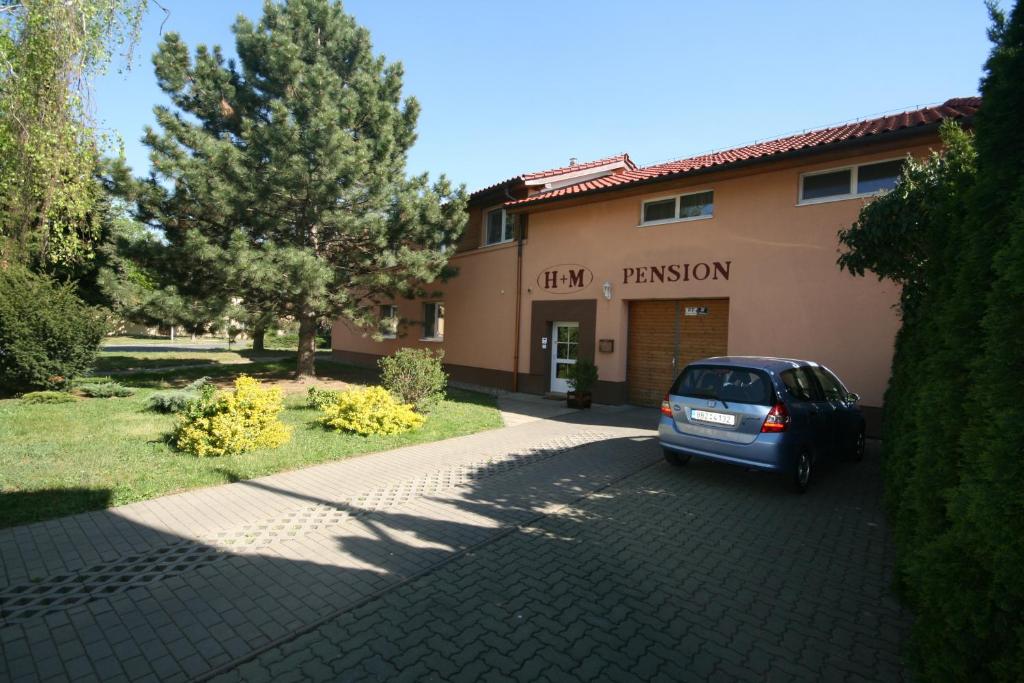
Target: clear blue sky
[{"x": 508, "y": 88}]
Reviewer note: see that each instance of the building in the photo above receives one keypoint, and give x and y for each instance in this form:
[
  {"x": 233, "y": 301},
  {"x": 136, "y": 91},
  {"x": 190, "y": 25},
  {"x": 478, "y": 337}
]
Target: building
[{"x": 646, "y": 269}]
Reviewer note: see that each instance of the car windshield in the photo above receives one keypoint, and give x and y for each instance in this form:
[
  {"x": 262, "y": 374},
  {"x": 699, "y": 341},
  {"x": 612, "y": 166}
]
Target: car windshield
[{"x": 724, "y": 383}]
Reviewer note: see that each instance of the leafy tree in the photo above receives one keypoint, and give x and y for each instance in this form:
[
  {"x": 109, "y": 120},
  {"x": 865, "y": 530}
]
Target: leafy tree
[
  {"x": 49, "y": 52},
  {"x": 281, "y": 178}
]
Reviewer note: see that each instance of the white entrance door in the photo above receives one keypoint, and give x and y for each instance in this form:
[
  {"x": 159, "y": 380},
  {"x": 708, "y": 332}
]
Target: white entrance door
[{"x": 565, "y": 338}]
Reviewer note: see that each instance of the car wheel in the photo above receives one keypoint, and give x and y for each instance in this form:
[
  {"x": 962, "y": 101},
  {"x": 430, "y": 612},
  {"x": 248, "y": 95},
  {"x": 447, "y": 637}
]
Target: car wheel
[
  {"x": 858, "y": 446},
  {"x": 676, "y": 459},
  {"x": 802, "y": 470}
]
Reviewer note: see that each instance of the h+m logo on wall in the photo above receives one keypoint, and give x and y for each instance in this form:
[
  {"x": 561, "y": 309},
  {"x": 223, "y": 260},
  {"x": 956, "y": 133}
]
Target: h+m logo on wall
[{"x": 565, "y": 278}]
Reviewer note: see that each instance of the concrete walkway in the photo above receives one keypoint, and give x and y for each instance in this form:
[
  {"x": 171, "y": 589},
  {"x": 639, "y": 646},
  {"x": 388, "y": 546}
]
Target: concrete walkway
[{"x": 178, "y": 587}]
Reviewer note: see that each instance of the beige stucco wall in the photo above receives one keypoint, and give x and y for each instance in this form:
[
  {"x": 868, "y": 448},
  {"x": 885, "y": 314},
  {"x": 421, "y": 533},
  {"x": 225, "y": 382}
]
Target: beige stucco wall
[
  {"x": 479, "y": 314},
  {"x": 787, "y": 295}
]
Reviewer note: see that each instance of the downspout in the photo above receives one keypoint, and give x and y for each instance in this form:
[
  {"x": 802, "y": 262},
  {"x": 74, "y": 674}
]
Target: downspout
[{"x": 519, "y": 296}]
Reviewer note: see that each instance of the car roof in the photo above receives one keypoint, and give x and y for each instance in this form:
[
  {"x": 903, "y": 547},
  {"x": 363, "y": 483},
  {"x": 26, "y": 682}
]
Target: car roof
[{"x": 771, "y": 363}]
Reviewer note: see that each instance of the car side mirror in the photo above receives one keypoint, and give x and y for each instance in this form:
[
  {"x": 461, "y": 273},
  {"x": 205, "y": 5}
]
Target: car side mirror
[{"x": 852, "y": 397}]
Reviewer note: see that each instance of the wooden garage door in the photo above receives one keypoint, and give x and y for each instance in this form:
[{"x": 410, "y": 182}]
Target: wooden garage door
[{"x": 663, "y": 339}]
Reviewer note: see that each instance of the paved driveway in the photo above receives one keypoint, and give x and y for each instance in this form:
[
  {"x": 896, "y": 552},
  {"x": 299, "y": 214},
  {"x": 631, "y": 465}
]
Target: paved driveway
[{"x": 558, "y": 549}]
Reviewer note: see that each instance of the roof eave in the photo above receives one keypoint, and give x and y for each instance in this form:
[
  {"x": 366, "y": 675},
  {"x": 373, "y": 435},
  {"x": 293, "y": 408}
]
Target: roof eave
[{"x": 866, "y": 140}]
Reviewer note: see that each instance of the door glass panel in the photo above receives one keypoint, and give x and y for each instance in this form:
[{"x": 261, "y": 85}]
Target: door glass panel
[
  {"x": 831, "y": 386},
  {"x": 798, "y": 385},
  {"x": 562, "y": 370}
]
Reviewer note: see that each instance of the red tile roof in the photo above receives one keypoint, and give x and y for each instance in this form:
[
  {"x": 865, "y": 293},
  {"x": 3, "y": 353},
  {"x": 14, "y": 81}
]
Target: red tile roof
[
  {"x": 575, "y": 168},
  {"x": 958, "y": 108}
]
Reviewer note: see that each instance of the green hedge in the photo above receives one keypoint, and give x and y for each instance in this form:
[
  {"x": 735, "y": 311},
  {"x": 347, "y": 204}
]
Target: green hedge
[{"x": 952, "y": 236}]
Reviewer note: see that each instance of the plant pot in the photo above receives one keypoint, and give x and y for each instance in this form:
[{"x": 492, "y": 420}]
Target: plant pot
[{"x": 578, "y": 399}]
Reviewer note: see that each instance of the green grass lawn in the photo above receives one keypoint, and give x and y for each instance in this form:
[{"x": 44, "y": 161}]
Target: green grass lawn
[
  {"x": 144, "y": 360},
  {"x": 66, "y": 458},
  {"x": 183, "y": 341}
]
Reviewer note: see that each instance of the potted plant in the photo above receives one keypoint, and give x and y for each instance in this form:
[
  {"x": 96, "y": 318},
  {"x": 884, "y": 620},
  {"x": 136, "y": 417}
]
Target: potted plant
[{"x": 581, "y": 378}]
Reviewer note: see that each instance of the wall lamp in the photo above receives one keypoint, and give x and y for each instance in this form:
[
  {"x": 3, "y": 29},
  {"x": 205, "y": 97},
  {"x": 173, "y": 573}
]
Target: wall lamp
[{"x": 606, "y": 288}]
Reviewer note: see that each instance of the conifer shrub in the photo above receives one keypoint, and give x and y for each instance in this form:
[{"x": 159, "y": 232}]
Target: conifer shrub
[
  {"x": 175, "y": 400},
  {"x": 232, "y": 421},
  {"x": 370, "y": 411},
  {"x": 47, "y": 334},
  {"x": 415, "y": 376},
  {"x": 45, "y": 397},
  {"x": 105, "y": 389}
]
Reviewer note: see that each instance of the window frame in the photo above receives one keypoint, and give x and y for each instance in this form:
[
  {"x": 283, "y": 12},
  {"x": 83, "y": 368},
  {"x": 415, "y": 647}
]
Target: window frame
[
  {"x": 438, "y": 308},
  {"x": 507, "y": 227},
  {"x": 678, "y": 201},
  {"x": 854, "y": 170},
  {"x": 381, "y": 318}
]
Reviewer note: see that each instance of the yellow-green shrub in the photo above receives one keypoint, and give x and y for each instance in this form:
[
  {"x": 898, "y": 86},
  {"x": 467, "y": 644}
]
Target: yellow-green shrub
[
  {"x": 229, "y": 422},
  {"x": 372, "y": 410}
]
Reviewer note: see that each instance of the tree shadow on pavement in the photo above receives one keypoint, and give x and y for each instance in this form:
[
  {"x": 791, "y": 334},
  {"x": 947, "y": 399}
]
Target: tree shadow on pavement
[{"x": 595, "y": 558}]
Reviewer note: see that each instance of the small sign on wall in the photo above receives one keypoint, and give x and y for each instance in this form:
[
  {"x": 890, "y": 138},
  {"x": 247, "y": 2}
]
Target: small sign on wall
[
  {"x": 696, "y": 310},
  {"x": 606, "y": 345},
  {"x": 543, "y": 342}
]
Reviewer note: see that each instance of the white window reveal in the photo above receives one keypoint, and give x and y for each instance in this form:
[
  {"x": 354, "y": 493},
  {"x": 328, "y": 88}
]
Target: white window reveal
[
  {"x": 388, "y": 321},
  {"x": 499, "y": 226},
  {"x": 684, "y": 207},
  {"x": 863, "y": 180},
  {"x": 433, "y": 321}
]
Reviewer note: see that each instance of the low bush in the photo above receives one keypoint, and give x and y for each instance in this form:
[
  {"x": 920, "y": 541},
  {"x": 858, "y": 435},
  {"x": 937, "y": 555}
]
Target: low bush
[
  {"x": 415, "y": 376},
  {"x": 319, "y": 398},
  {"x": 89, "y": 379},
  {"x": 369, "y": 411},
  {"x": 175, "y": 400},
  {"x": 230, "y": 422},
  {"x": 42, "y": 397},
  {"x": 104, "y": 390},
  {"x": 47, "y": 334}
]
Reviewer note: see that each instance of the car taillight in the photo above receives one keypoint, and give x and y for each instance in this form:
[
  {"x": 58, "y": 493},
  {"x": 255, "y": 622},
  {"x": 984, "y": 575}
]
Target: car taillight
[
  {"x": 777, "y": 418},
  {"x": 666, "y": 408}
]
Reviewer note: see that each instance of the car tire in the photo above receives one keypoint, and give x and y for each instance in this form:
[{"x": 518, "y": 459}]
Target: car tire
[
  {"x": 858, "y": 446},
  {"x": 803, "y": 469},
  {"x": 676, "y": 459}
]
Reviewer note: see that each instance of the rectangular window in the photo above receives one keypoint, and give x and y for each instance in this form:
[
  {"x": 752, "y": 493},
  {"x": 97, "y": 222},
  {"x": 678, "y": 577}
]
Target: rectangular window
[
  {"x": 388, "y": 321},
  {"x": 433, "y": 321},
  {"x": 696, "y": 205},
  {"x": 662, "y": 210},
  {"x": 877, "y": 177},
  {"x": 682, "y": 208},
  {"x": 823, "y": 185},
  {"x": 499, "y": 226},
  {"x": 857, "y": 181}
]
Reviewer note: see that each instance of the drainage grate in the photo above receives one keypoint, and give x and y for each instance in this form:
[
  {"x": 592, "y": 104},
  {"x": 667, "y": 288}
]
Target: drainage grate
[{"x": 25, "y": 601}]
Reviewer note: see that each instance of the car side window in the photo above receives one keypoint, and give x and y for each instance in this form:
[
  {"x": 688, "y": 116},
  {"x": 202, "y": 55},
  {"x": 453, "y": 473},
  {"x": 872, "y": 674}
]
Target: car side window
[
  {"x": 798, "y": 384},
  {"x": 830, "y": 385}
]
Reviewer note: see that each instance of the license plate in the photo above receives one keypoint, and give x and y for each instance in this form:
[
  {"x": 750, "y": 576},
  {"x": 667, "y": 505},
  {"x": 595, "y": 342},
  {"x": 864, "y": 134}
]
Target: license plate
[{"x": 716, "y": 418}]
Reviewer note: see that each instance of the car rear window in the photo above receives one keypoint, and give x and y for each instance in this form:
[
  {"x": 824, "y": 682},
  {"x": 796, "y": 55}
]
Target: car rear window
[{"x": 725, "y": 383}]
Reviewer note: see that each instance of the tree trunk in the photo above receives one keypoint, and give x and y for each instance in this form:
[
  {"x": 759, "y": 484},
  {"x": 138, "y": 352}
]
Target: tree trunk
[
  {"x": 307, "y": 347},
  {"x": 259, "y": 333}
]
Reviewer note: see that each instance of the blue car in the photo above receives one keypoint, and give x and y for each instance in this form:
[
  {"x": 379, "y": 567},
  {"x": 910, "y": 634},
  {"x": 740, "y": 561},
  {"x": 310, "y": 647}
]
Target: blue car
[{"x": 776, "y": 414}]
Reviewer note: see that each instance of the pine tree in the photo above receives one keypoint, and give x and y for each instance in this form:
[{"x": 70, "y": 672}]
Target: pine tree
[{"x": 280, "y": 179}]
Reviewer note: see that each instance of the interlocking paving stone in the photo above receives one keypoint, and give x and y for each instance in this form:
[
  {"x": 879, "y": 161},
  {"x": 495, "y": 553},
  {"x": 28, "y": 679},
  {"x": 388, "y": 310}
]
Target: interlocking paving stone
[
  {"x": 675, "y": 574},
  {"x": 418, "y": 506}
]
